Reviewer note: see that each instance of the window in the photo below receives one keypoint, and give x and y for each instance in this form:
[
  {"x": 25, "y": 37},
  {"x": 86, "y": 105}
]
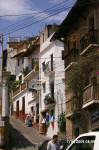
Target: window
[
  {"x": 62, "y": 54},
  {"x": 83, "y": 143},
  {"x": 44, "y": 87},
  {"x": 23, "y": 105},
  {"x": 20, "y": 79},
  {"x": 43, "y": 66},
  {"x": 43, "y": 37}
]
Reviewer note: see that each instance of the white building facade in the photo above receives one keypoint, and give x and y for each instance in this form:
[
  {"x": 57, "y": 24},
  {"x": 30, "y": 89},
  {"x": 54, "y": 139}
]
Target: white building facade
[
  {"x": 26, "y": 69},
  {"x": 51, "y": 74}
]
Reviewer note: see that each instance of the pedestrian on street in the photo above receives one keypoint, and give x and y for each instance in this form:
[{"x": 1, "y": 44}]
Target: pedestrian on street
[
  {"x": 44, "y": 125},
  {"x": 52, "y": 144}
]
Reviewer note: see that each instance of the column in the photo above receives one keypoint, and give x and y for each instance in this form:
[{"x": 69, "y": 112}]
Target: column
[{"x": 5, "y": 98}]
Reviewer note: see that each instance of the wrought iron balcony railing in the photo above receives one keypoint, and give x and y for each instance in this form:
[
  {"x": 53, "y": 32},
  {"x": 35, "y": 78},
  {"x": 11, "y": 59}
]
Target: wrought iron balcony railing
[
  {"x": 91, "y": 93},
  {"x": 89, "y": 38},
  {"x": 71, "y": 56},
  {"x": 73, "y": 105}
]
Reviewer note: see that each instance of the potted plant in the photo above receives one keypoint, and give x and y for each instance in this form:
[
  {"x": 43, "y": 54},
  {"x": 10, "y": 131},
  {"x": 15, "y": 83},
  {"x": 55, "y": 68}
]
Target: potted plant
[{"x": 25, "y": 71}]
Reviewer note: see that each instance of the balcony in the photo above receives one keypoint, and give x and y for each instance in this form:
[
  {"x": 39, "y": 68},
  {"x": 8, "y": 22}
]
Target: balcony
[
  {"x": 71, "y": 57},
  {"x": 17, "y": 90},
  {"x": 91, "y": 96},
  {"x": 88, "y": 41},
  {"x": 49, "y": 101},
  {"x": 23, "y": 86},
  {"x": 49, "y": 68},
  {"x": 34, "y": 71},
  {"x": 73, "y": 107}
]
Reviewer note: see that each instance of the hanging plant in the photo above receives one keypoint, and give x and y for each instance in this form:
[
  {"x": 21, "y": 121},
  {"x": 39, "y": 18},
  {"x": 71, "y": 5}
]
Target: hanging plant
[{"x": 49, "y": 100}]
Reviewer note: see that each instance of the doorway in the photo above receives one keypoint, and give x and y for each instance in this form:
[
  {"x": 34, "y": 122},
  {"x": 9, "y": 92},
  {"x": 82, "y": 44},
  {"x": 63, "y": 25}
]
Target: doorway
[
  {"x": 23, "y": 106},
  {"x": 17, "y": 109}
]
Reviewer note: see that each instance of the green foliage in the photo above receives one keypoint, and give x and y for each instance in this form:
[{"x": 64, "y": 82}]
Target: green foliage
[
  {"x": 62, "y": 122},
  {"x": 50, "y": 100},
  {"x": 13, "y": 85},
  {"x": 25, "y": 71},
  {"x": 85, "y": 67}
]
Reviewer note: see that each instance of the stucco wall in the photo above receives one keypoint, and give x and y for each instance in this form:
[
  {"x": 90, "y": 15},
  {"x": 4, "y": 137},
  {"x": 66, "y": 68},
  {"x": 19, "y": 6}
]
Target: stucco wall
[{"x": 55, "y": 48}]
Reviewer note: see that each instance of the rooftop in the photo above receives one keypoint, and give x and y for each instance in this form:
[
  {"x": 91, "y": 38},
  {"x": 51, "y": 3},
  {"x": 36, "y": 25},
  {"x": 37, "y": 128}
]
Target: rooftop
[{"x": 77, "y": 10}]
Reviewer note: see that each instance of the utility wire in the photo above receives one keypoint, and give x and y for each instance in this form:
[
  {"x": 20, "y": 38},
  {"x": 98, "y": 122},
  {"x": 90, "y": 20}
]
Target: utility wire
[
  {"x": 62, "y": 9},
  {"x": 40, "y": 20},
  {"x": 39, "y": 13},
  {"x": 33, "y": 13},
  {"x": 32, "y": 23}
]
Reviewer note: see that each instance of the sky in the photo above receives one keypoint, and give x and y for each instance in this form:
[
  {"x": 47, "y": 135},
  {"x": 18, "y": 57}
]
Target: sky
[{"x": 27, "y": 7}]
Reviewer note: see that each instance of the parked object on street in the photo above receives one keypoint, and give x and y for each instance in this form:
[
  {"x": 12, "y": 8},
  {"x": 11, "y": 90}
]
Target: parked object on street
[
  {"x": 63, "y": 144},
  {"x": 88, "y": 141}
]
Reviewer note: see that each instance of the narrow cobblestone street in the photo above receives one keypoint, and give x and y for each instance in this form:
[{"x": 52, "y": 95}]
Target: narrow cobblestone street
[{"x": 23, "y": 137}]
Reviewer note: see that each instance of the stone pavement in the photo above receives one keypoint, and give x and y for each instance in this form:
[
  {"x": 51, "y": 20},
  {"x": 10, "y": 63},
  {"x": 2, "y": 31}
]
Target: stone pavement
[{"x": 23, "y": 137}]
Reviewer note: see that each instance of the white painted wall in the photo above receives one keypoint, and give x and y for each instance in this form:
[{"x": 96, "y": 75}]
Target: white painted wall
[
  {"x": 11, "y": 62},
  {"x": 46, "y": 49},
  {"x": 29, "y": 99},
  {"x": 19, "y": 98}
]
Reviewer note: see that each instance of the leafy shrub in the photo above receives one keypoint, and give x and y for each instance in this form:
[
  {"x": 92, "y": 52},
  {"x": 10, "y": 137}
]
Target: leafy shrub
[{"x": 62, "y": 122}]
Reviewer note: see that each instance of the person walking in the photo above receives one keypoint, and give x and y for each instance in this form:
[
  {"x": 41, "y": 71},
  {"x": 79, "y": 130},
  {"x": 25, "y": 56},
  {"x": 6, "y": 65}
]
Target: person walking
[
  {"x": 44, "y": 125},
  {"x": 52, "y": 144}
]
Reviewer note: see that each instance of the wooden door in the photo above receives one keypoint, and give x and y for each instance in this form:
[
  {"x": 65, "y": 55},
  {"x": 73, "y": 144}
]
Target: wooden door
[{"x": 17, "y": 108}]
